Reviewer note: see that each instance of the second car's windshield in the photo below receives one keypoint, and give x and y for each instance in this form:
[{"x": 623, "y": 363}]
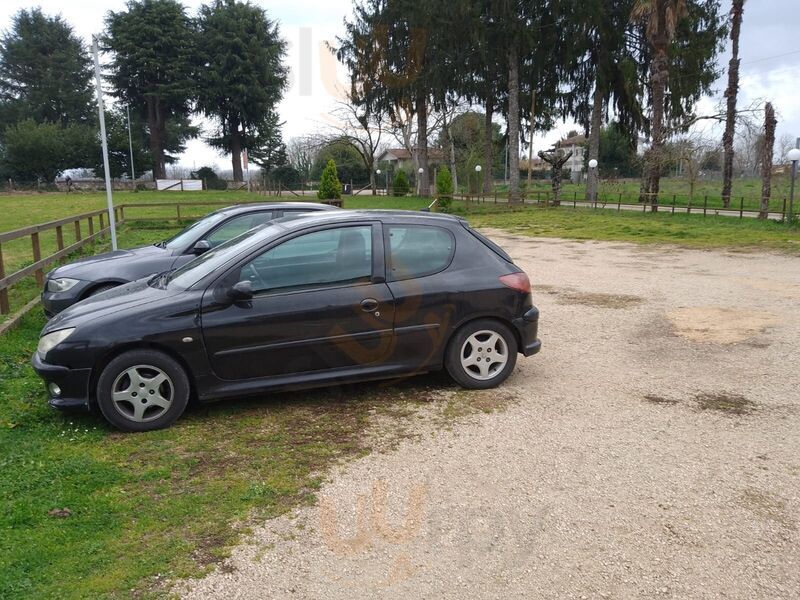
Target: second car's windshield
[
  {"x": 194, "y": 271},
  {"x": 190, "y": 234}
]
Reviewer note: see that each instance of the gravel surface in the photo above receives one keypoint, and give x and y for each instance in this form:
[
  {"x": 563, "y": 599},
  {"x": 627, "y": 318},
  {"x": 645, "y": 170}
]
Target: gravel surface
[{"x": 651, "y": 450}]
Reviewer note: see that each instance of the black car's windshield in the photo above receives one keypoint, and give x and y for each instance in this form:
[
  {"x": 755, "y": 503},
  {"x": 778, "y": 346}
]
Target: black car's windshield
[
  {"x": 189, "y": 235},
  {"x": 194, "y": 271}
]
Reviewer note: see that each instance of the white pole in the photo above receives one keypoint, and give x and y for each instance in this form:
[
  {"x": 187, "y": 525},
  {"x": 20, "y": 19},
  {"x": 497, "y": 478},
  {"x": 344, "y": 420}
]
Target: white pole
[
  {"x": 130, "y": 141},
  {"x": 112, "y": 223}
]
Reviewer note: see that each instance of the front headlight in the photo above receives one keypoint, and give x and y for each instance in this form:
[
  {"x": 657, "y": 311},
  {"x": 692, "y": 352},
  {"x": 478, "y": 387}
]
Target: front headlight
[
  {"x": 51, "y": 340},
  {"x": 62, "y": 284}
]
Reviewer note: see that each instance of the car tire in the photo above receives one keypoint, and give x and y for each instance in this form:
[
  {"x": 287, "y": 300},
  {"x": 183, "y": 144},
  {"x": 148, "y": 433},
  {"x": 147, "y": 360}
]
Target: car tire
[
  {"x": 142, "y": 390},
  {"x": 482, "y": 354},
  {"x": 100, "y": 289}
]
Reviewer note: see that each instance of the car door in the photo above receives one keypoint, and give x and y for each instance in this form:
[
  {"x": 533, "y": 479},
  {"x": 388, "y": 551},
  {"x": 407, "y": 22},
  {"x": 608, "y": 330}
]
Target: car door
[
  {"x": 320, "y": 303},
  {"x": 417, "y": 258},
  {"x": 225, "y": 231}
]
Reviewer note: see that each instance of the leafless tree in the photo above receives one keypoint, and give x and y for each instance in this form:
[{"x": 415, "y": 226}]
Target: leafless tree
[
  {"x": 691, "y": 152},
  {"x": 785, "y": 143},
  {"x": 363, "y": 129},
  {"x": 301, "y": 152}
]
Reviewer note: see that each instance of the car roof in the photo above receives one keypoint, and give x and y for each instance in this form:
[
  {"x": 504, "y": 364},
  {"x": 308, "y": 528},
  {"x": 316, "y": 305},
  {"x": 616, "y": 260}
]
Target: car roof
[
  {"x": 387, "y": 216},
  {"x": 259, "y": 206}
]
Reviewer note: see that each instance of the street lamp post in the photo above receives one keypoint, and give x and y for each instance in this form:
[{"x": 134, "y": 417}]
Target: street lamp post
[
  {"x": 386, "y": 188},
  {"x": 593, "y": 199},
  {"x": 420, "y": 171},
  {"x": 794, "y": 156},
  {"x": 478, "y": 170}
]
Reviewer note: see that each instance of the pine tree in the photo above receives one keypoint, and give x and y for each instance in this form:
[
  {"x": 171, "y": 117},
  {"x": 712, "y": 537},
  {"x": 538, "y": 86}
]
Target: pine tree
[
  {"x": 242, "y": 78},
  {"x": 329, "y": 186},
  {"x": 400, "y": 185},
  {"x": 45, "y": 72},
  {"x": 153, "y": 70}
]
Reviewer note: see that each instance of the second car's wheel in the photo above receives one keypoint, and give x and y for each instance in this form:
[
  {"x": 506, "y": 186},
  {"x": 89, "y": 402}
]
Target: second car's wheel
[
  {"x": 481, "y": 354},
  {"x": 142, "y": 390}
]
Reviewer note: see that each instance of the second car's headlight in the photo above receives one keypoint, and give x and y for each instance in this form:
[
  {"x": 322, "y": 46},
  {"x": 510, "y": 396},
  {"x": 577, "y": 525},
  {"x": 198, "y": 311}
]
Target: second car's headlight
[
  {"x": 51, "y": 340},
  {"x": 62, "y": 284}
]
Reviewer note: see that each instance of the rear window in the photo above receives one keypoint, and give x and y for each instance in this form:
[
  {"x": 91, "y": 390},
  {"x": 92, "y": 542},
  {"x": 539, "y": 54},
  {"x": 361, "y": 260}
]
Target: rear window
[
  {"x": 490, "y": 244},
  {"x": 418, "y": 250}
]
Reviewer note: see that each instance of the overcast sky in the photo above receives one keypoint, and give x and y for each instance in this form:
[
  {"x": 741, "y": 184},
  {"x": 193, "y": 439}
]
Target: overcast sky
[{"x": 770, "y": 53}]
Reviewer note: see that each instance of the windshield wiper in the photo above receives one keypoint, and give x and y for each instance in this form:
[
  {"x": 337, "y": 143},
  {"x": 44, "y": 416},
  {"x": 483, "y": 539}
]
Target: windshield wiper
[{"x": 161, "y": 244}]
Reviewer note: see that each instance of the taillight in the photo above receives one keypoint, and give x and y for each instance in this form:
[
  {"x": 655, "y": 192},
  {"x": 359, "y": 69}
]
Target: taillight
[{"x": 517, "y": 281}]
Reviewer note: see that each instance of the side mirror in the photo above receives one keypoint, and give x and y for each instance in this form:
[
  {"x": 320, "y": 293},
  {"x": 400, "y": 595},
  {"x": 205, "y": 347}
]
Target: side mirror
[
  {"x": 201, "y": 246},
  {"x": 241, "y": 291}
]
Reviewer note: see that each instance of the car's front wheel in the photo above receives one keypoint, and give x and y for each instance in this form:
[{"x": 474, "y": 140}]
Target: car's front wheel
[
  {"x": 142, "y": 390},
  {"x": 482, "y": 354}
]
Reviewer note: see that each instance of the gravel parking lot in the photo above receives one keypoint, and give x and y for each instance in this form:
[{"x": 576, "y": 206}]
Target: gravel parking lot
[{"x": 651, "y": 450}]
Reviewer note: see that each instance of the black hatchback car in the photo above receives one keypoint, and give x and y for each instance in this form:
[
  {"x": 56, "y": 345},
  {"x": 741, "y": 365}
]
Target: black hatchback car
[
  {"x": 302, "y": 301},
  {"x": 76, "y": 281}
]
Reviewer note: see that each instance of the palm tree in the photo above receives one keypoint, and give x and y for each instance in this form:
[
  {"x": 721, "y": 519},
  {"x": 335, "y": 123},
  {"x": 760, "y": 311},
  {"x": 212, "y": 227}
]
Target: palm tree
[
  {"x": 661, "y": 19},
  {"x": 730, "y": 94}
]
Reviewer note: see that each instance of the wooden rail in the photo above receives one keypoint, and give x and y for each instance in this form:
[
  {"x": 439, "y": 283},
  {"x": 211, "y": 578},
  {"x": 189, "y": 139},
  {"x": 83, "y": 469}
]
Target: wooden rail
[{"x": 83, "y": 236}]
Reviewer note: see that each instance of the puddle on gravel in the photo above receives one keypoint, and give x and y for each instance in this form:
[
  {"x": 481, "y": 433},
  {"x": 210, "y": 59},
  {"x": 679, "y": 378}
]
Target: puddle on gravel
[
  {"x": 732, "y": 404},
  {"x": 598, "y": 300},
  {"x": 654, "y": 399},
  {"x": 719, "y": 325}
]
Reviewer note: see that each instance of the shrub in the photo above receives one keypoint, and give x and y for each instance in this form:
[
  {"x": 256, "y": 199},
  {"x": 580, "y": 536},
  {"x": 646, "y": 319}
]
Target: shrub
[
  {"x": 400, "y": 187},
  {"x": 211, "y": 179},
  {"x": 330, "y": 188},
  {"x": 444, "y": 182}
]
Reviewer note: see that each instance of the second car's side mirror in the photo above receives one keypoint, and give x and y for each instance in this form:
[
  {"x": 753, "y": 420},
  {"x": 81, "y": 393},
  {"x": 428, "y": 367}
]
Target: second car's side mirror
[
  {"x": 201, "y": 246},
  {"x": 241, "y": 291}
]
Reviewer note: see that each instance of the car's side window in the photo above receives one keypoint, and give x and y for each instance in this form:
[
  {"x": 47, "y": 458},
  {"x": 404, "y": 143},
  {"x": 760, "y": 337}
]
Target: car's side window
[
  {"x": 418, "y": 250},
  {"x": 237, "y": 226},
  {"x": 330, "y": 257}
]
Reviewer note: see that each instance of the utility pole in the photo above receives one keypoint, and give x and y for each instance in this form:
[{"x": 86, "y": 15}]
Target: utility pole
[
  {"x": 112, "y": 222},
  {"x": 130, "y": 140}
]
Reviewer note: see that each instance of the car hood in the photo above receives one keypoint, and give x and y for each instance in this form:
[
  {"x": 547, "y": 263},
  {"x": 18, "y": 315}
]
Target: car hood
[
  {"x": 135, "y": 294},
  {"x": 107, "y": 260}
]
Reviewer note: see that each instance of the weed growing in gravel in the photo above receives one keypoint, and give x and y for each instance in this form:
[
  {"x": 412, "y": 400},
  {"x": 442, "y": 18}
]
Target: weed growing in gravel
[{"x": 732, "y": 404}]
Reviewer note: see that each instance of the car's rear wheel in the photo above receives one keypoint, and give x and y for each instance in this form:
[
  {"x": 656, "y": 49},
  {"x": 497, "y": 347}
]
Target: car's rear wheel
[
  {"x": 142, "y": 390},
  {"x": 481, "y": 354}
]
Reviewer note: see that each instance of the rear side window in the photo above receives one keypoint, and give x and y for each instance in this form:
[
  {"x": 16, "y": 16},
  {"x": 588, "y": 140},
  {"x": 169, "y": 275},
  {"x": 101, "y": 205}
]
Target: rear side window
[
  {"x": 491, "y": 245},
  {"x": 418, "y": 250},
  {"x": 237, "y": 226}
]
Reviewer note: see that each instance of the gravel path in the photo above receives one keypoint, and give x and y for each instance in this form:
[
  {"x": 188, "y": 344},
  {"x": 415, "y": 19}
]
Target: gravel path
[{"x": 652, "y": 450}]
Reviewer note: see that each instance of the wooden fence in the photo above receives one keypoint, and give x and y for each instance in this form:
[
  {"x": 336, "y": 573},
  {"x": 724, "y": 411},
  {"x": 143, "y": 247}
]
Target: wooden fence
[{"x": 88, "y": 227}]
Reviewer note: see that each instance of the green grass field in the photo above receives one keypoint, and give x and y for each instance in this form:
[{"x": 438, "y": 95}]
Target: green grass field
[{"x": 153, "y": 507}]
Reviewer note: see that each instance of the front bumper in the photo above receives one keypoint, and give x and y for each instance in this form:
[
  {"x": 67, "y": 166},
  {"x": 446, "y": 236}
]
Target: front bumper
[
  {"x": 528, "y": 328},
  {"x": 73, "y": 383},
  {"x": 54, "y": 302}
]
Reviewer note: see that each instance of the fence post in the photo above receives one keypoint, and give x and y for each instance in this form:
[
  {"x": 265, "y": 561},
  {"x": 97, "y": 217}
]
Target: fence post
[
  {"x": 102, "y": 222},
  {"x": 673, "y": 203},
  {"x": 91, "y": 226},
  {"x": 77, "y": 230},
  {"x": 121, "y": 213},
  {"x": 60, "y": 237},
  {"x": 741, "y": 207},
  {"x": 37, "y": 256},
  {"x": 4, "y": 306},
  {"x": 705, "y": 204}
]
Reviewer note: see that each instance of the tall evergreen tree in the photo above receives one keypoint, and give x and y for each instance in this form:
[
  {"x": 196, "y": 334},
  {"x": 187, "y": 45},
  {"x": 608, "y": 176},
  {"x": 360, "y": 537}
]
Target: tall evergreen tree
[
  {"x": 242, "y": 78},
  {"x": 45, "y": 72},
  {"x": 682, "y": 36},
  {"x": 605, "y": 76},
  {"x": 152, "y": 69}
]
